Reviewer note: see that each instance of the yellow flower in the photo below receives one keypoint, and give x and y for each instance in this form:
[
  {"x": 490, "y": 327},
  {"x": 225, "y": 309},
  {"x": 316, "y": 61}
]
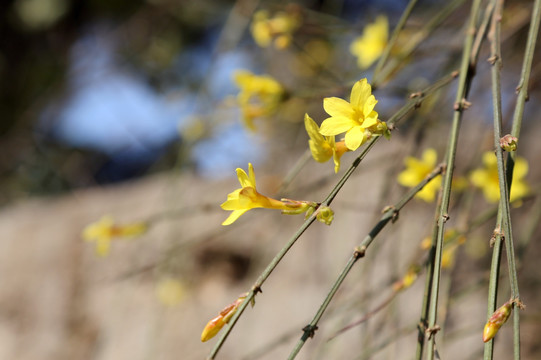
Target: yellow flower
[
  {"x": 170, "y": 291},
  {"x": 486, "y": 178},
  {"x": 259, "y": 96},
  {"x": 279, "y": 28},
  {"x": 216, "y": 324},
  {"x": 417, "y": 170},
  {"x": 104, "y": 230},
  {"x": 247, "y": 198},
  {"x": 370, "y": 45},
  {"x": 323, "y": 147},
  {"x": 356, "y": 118}
]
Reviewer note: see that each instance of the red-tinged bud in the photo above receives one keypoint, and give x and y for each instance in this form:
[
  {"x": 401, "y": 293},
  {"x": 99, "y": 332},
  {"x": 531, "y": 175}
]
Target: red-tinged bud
[
  {"x": 508, "y": 143},
  {"x": 498, "y": 318},
  {"x": 215, "y": 325}
]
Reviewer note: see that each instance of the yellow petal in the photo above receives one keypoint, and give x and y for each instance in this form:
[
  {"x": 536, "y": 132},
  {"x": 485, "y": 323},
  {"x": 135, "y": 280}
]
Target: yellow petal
[
  {"x": 369, "y": 105},
  {"x": 251, "y": 175},
  {"x": 103, "y": 246},
  {"x": 336, "y": 158},
  {"x": 489, "y": 159},
  {"x": 430, "y": 156},
  {"x": 336, "y": 125},
  {"x": 368, "y": 122},
  {"x": 244, "y": 179},
  {"x": 521, "y": 168},
  {"x": 337, "y": 107},
  {"x": 234, "y": 216},
  {"x": 360, "y": 93},
  {"x": 354, "y": 138},
  {"x": 313, "y": 131}
]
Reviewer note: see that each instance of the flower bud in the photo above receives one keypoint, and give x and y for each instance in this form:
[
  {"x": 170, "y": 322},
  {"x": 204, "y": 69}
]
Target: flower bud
[
  {"x": 498, "y": 318},
  {"x": 216, "y": 324},
  {"x": 508, "y": 143},
  {"x": 325, "y": 215}
]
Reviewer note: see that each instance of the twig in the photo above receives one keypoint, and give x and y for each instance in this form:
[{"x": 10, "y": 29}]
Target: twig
[
  {"x": 522, "y": 89},
  {"x": 391, "y": 214},
  {"x": 503, "y": 217},
  {"x": 301, "y": 162},
  {"x": 410, "y": 105},
  {"x": 460, "y": 102},
  {"x": 387, "y": 51},
  {"x": 416, "y": 40}
]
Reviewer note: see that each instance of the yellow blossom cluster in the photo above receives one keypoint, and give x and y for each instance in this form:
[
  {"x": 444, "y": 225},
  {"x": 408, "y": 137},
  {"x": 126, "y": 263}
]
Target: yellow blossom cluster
[
  {"x": 277, "y": 30},
  {"x": 357, "y": 118},
  {"x": 370, "y": 45},
  {"x": 259, "y": 96}
]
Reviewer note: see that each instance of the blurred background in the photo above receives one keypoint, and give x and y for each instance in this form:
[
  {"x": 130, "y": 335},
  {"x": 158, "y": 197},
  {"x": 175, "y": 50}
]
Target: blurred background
[{"x": 130, "y": 109}]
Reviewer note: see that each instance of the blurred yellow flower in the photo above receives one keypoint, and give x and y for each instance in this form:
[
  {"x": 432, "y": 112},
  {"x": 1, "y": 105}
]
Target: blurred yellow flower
[
  {"x": 417, "y": 170},
  {"x": 247, "y": 198},
  {"x": 356, "y": 118},
  {"x": 370, "y": 45},
  {"x": 216, "y": 324},
  {"x": 170, "y": 291},
  {"x": 259, "y": 96},
  {"x": 486, "y": 178},
  {"x": 409, "y": 278},
  {"x": 104, "y": 230},
  {"x": 323, "y": 147},
  {"x": 278, "y": 29}
]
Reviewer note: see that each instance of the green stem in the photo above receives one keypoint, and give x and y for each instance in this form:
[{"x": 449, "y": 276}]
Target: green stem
[
  {"x": 414, "y": 101},
  {"x": 522, "y": 89},
  {"x": 390, "y": 214},
  {"x": 301, "y": 162},
  {"x": 462, "y": 92},
  {"x": 416, "y": 40},
  {"x": 503, "y": 222},
  {"x": 387, "y": 51}
]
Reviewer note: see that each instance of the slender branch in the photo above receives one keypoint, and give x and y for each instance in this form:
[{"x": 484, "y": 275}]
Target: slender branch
[
  {"x": 503, "y": 217},
  {"x": 301, "y": 162},
  {"x": 466, "y": 74},
  {"x": 522, "y": 89},
  {"x": 416, "y": 40},
  {"x": 387, "y": 51},
  {"x": 391, "y": 214},
  {"x": 414, "y": 101}
]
